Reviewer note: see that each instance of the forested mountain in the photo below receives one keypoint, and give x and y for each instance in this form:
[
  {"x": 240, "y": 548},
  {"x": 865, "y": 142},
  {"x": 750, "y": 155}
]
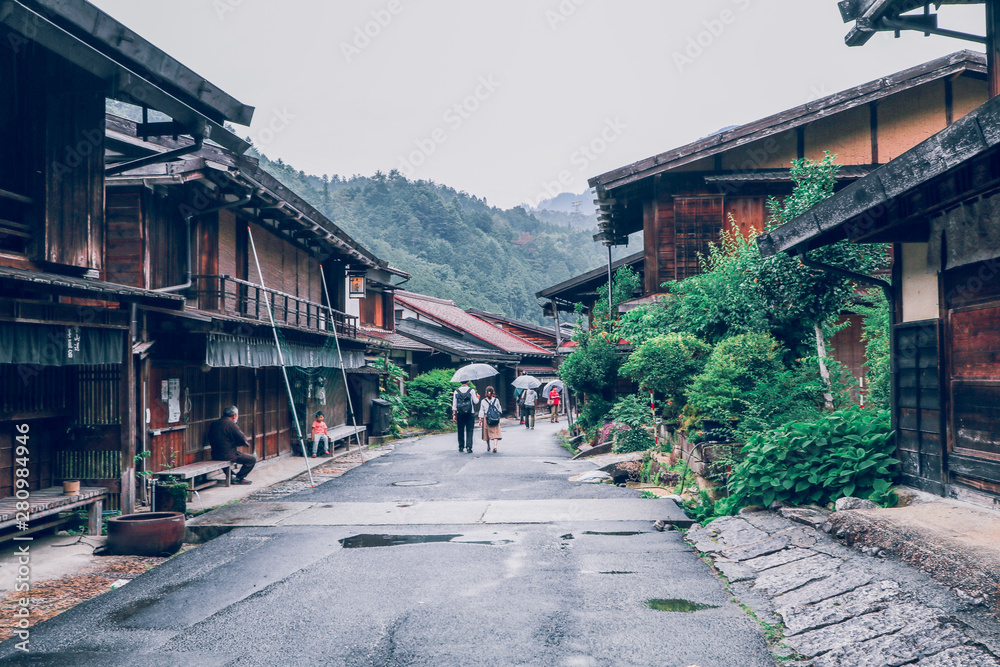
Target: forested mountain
[{"x": 456, "y": 245}]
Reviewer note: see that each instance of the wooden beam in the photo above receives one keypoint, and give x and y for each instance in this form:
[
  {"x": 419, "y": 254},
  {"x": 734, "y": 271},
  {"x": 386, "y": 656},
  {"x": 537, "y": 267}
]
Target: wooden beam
[
  {"x": 127, "y": 415},
  {"x": 993, "y": 46}
]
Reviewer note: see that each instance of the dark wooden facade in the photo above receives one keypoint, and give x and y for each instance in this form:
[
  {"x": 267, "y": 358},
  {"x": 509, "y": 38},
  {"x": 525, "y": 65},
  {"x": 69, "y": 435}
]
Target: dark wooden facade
[
  {"x": 935, "y": 203},
  {"x": 254, "y": 245},
  {"x": 94, "y": 218}
]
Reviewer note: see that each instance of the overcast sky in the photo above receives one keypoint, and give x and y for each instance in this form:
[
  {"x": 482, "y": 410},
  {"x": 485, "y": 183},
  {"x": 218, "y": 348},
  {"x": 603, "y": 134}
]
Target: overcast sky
[{"x": 501, "y": 97}]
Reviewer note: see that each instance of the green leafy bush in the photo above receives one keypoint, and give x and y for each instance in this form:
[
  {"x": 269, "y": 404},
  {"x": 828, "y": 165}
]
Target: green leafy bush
[
  {"x": 631, "y": 416},
  {"x": 592, "y": 415},
  {"x": 647, "y": 321},
  {"x": 666, "y": 364},
  {"x": 737, "y": 366},
  {"x": 592, "y": 368},
  {"x": 428, "y": 398},
  {"x": 846, "y": 453}
]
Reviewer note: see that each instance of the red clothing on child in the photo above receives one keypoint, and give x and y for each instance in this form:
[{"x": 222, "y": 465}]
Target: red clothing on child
[
  {"x": 554, "y": 396},
  {"x": 319, "y": 427}
]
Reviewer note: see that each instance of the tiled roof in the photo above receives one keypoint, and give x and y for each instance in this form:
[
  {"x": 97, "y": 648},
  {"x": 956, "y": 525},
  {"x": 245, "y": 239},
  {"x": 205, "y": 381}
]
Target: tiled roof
[
  {"x": 449, "y": 342},
  {"x": 447, "y": 313}
]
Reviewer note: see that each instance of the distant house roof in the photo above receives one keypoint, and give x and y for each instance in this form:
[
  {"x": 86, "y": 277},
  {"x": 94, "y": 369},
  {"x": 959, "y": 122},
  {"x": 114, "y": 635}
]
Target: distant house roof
[
  {"x": 866, "y": 208},
  {"x": 137, "y": 71},
  {"x": 449, "y": 342},
  {"x": 445, "y": 312},
  {"x": 539, "y": 328}
]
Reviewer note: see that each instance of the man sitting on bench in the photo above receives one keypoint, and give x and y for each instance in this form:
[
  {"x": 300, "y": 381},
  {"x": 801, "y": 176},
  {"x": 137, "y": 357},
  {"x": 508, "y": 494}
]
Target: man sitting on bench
[{"x": 225, "y": 436}]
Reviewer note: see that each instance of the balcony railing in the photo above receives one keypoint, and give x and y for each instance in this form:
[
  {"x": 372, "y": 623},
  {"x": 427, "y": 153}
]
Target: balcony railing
[{"x": 240, "y": 298}]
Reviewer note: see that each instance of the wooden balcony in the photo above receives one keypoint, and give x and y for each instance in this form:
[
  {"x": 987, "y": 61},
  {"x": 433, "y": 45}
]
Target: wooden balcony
[{"x": 240, "y": 298}]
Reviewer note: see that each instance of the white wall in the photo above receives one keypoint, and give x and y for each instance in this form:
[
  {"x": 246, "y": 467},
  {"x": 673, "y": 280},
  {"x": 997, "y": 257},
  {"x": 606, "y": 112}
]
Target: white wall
[{"x": 920, "y": 288}]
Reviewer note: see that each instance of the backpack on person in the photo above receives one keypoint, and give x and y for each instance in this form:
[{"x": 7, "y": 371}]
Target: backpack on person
[
  {"x": 492, "y": 413},
  {"x": 463, "y": 402}
]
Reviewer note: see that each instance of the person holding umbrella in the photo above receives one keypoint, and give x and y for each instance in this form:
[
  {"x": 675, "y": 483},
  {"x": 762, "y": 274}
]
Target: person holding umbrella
[
  {"x": 554, "y": 403},
  {"x": 463, "y": 403},
  {"x": 464, "y": 400}
]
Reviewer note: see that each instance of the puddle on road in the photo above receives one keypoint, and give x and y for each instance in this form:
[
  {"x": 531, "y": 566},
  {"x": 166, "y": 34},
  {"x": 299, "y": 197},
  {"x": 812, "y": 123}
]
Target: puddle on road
[
  {"x": 415, "y": 482},
  {"x": 619, "y": 533},
  {"x": 567, "y": 536},
  {"x": 675, "y": 604},
  {"x": 371, "y": 540},
  {"x": 617, "y": 572}
]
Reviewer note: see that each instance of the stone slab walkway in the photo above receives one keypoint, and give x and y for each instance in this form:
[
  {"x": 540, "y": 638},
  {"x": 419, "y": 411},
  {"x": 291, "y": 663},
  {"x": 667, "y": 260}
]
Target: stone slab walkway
[{"x": 840, "y": 607}]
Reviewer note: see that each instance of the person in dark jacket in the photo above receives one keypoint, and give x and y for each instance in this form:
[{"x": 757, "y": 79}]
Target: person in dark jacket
[{"x": 225, "y": 437}]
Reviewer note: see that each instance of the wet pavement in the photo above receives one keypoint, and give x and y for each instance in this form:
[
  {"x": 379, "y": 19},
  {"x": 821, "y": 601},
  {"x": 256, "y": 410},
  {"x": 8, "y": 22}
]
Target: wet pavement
[{"x": 544, "y": 586}]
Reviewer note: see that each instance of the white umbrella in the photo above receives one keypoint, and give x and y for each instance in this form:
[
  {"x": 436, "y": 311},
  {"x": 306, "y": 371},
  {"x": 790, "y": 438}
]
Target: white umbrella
[
  {"x": 555, "y": 383},
  {"x": 526, "y": 382},
  {"x": 474, "y": 372}
]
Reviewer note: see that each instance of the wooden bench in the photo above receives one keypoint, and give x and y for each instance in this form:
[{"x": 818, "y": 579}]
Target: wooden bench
[
  {"x": 192, "y": 472},
  {"x": 50, "y": 502},
  {"x": 345, "y": 431}
]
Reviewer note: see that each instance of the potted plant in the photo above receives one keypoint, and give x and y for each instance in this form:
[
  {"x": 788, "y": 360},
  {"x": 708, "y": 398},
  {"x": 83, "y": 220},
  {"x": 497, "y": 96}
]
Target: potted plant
[{"x": 170, "y": 493}]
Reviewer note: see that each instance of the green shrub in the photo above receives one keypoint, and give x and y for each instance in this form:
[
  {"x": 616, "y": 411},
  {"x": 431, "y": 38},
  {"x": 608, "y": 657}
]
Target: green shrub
[
  {"x": 846, "y": 453},
  {"x": 738, "y": 367},
  {"x": 666, "y": 364},
  {"x": 592, "y": 414},
  {"x": 428, "y": 398},
  {"x": 631, "y": 416},
  {"x": 592, "y": 368}
]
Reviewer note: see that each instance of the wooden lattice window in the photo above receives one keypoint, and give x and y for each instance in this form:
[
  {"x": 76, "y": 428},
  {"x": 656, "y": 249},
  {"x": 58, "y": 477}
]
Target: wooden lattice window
[{"x": 698, "y": 222}]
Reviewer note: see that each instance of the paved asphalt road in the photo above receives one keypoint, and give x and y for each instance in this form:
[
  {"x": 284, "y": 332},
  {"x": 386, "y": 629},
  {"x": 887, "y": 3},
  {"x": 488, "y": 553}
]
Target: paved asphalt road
[{"x": 497, "y": 594}]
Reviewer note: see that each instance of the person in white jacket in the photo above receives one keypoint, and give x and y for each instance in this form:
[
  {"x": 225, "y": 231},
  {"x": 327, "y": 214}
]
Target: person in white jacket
[{"x": 463, "y": 413}]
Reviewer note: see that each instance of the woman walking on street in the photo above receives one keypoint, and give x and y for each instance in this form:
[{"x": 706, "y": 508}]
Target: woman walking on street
[{"x": 489, "y": 417}]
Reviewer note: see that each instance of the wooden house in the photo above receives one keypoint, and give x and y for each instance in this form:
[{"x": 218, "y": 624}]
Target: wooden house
[
  {"x": 683, "y": 198},
  {"x": 215, "y": 228},
  {"x": 68, "y": 321},
  {"x": 939, "y": 204}
]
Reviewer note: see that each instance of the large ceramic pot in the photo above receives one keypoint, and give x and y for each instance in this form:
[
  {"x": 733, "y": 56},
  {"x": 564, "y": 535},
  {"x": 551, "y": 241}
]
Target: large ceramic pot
[{"x": 146, "y": 534}]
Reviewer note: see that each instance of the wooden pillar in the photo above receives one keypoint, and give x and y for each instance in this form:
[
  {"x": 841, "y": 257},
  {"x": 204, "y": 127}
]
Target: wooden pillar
[
  {"x": 128, "y": 418},
  {"x": 993, "y": 46},
  {"x": 555, "y": 316}
]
